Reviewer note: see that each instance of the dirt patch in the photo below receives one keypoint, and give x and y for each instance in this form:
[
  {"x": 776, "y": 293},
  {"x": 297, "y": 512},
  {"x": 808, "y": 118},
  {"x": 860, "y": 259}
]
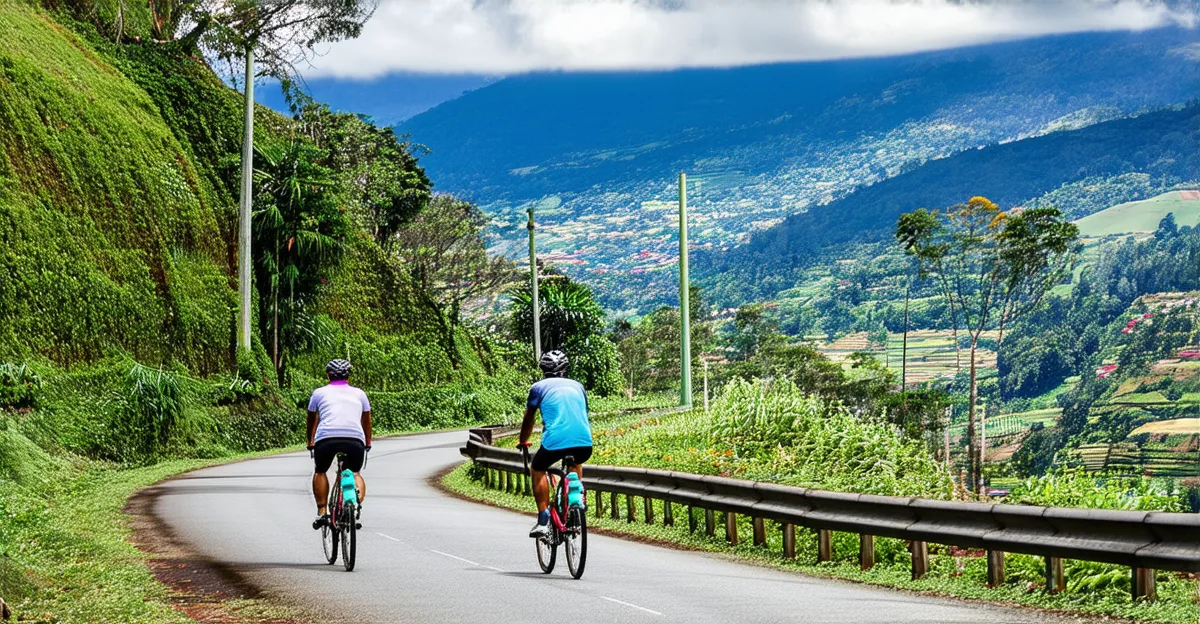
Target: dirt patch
[{"x": 201, "y": 588}]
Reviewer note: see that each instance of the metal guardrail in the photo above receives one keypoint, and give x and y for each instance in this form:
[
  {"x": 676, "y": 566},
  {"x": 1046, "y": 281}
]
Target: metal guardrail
[{"x": 1144, "y": 541}]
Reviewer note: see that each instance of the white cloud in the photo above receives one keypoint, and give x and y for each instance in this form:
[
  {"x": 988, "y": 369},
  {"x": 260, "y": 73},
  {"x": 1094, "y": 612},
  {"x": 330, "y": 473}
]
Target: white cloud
[{"x": 509, "y": 36}]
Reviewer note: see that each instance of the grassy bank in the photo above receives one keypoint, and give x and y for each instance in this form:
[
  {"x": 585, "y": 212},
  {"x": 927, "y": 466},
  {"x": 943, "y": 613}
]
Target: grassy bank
[
  {"x": 68, "y": 556},
  {"x": 1093, "y": 589}
]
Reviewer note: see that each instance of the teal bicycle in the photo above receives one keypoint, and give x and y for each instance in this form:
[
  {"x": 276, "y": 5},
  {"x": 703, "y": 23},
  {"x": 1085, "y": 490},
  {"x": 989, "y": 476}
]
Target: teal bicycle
[{"x": 343, "y": 509}]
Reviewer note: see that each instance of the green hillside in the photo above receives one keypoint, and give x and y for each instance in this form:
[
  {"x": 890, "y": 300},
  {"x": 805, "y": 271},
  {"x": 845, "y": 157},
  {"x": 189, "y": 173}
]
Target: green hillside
[
  {"x": 118, "y": 196},
  {"x": 112, "y": 241},
  {"x": 1142, "y": 216}
]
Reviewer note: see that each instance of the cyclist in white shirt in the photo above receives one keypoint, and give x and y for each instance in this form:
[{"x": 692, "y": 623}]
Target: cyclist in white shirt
[{"x": 339, "y": 421}]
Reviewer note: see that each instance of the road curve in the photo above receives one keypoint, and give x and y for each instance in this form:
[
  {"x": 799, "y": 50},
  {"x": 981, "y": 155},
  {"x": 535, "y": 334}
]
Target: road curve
[{"x": 427, "y": 557}]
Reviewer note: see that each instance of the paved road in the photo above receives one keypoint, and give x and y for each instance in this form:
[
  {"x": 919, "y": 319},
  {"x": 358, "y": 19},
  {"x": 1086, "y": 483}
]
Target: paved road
[{"x": 427, "y": 557}]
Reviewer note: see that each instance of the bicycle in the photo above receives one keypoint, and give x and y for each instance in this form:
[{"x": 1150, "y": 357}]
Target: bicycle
[
  {"x": 568, "y": 523},
  {"x": 342, "y": 527}
]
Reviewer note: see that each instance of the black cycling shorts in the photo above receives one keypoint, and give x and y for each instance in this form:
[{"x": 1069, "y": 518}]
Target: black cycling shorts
[
  {"x": 327, "y": 448},
  {"x": 544, "y": 457}
]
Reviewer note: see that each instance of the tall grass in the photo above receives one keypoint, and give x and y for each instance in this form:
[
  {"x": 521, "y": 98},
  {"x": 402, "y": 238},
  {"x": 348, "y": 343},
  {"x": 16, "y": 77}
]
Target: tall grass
[{"x": 773, "y": 432}]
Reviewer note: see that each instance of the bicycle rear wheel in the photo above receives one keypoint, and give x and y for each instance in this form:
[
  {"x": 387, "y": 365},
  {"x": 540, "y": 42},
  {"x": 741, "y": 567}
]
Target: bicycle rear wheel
[
  {"x": 575, "y": 541},
  {"x": 349, "y": 537}
]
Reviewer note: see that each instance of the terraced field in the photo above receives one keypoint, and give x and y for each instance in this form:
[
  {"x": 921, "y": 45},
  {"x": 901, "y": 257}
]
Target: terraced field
[{"x": 931, "y": 354}]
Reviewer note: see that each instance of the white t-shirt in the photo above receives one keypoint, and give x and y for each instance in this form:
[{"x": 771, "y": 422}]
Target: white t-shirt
[{"x": 339, "y": 407}]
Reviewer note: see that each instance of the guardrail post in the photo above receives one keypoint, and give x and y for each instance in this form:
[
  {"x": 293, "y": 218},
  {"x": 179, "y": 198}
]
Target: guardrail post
[
  {"x": 995, "y": 572},
  {"x": 648, "y": 509},
  {"x": 866, "y": 551},
  {"x": 731, "y": 528},
  {"x": 760, "y": 532},
  {"x": 789, "y": 541},
  {"x": 1055, "y": 579},
  {"x": 824, "y": 545},
  {"x": 920, "y": 559},
  {"x": 629, "y": 515},
  {"x": 710, "y": 523},
  {"x": 1143, "y": 584},
  {"x": 691, "y": 519},
  {"x": 612, "y": 500},
  {"x": 668, "y": 514}
]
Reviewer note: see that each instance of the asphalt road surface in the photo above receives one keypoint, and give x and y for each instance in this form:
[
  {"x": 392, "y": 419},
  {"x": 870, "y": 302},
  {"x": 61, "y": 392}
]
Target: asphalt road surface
[{"x": 424, "y": 556}]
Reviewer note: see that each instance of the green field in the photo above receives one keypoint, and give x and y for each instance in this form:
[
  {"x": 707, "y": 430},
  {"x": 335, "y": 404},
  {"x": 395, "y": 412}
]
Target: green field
[{"x": 1141, "y": 216}]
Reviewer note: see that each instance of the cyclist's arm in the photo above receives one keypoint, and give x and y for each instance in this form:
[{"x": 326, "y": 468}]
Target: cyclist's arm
[
  {"x": 366, "y": 426},
  {"x": 527, "y": 424},
  {"x": 312, "y": 426}
]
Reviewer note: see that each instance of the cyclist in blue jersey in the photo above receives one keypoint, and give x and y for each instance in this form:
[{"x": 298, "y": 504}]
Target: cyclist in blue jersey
[{"x": 565, "y": 429}]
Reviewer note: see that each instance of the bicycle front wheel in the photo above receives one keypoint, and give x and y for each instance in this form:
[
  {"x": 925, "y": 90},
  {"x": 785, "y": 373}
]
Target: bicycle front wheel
[
  {"x": 575, "y": 541},
  {"x": 349, "y": 537}
]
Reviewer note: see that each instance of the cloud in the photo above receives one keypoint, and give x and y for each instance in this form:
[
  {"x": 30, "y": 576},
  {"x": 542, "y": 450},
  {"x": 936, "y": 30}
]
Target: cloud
[{"x": 511, "y": 36}]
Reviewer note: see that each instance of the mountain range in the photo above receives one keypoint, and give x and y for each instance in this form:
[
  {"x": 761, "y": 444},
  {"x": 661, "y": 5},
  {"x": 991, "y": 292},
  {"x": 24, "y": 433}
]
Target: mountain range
[{"x": 598, "y": 153}]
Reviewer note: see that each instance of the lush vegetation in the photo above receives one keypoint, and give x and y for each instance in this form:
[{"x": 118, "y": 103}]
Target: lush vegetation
[{"x": 118, "y": 187}]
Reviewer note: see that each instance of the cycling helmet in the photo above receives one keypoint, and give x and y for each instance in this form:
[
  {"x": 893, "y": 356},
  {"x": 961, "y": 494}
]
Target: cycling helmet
[
  {"x": 554, "y": 362},
  {"x": 338, "y": 370}
]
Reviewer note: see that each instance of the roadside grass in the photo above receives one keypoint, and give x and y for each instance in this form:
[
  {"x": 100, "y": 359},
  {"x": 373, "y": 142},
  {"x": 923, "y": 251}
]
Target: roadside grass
[
  {"x": 953, "y": 573},
  {"x": 69, "y": 557}
]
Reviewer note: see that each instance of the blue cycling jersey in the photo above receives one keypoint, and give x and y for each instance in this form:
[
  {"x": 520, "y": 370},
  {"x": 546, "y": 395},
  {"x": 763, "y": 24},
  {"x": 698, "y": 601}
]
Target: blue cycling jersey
[{"x": 564, "y": 413}]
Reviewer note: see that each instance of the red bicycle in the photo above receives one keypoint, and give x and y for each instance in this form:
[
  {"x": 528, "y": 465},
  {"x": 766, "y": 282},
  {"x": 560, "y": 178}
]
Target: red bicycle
[{"x": 568, "y": 523}]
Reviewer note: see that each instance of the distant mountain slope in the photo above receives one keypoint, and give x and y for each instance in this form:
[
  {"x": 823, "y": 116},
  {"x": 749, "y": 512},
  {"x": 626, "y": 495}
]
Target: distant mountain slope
[
  {"x": 1162, "y": 144},
  {"x": 1144, "y": 216},
  {"x": 766, "y": 142}
]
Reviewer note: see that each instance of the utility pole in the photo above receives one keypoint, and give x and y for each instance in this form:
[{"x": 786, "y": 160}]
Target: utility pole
[
  {"x": 982, "y": 445},
  {"x": 946, "y": 430},
  {"x": 685, "y": 389},
  {"x": 244, "y": 209},
  {"x": 706, "y": 386},
  {"x": 537, "y": 304}
]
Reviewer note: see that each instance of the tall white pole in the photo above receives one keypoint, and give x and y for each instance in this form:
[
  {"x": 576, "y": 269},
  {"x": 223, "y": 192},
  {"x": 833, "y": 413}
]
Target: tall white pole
[
  {"x": 537, "y": 304},
  {"x": 705, "y": 385},
  {"x": 245, "y": 208},
  {"x": 685, "y": 310}
]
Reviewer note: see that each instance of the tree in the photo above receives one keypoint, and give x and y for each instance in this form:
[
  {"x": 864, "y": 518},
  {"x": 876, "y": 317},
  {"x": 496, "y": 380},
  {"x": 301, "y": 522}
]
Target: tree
[
  {"x": 572, "y": 321},
  {"x": 384, "y": 184},
  {"x": 1166, "y": 227},
  {"x": 650, "y": 350},
  {"x": 281, "y": 33},
  {"x": 299, "y": 231},
  {"x": 991, "y": 266},
  {"x": 752, "y": 328},
  {"x": 445, "y": 252}
]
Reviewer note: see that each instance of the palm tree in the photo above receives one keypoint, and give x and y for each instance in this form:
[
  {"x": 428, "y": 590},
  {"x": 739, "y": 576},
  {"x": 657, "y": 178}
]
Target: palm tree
[{"x": 298, "y": 231}]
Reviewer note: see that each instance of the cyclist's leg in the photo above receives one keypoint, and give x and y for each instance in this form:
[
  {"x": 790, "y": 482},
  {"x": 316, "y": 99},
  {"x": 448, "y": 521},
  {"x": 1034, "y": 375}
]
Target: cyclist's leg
[
  {"x": 581, "y": 454},
  {"x": 323, "y": 454},
  {"x": 541, "y": 462}
]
